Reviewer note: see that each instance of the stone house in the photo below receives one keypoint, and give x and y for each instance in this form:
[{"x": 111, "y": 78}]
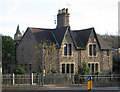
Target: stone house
[{"x": 73, "y": 47}]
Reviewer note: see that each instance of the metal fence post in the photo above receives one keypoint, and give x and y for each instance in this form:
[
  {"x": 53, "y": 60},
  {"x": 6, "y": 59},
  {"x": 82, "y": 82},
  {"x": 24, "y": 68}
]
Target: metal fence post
[
  {"x": 13, "y": 79},
  {"x": 31, "y": 79}
]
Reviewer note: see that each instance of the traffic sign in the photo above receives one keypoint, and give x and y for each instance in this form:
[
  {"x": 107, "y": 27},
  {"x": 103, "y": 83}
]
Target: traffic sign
[{"x": 89, "y": 78}]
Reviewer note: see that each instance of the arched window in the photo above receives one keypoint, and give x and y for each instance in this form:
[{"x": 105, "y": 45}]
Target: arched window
[
  {"x": 63, "y": 68},
  {"x": 96, "y": 67},
  {"x": 69, "y": 49},
  {"x": 90, "y": 50},
  {"x": 94, "y": 50},
  {"x": 65, "y": 49},
  {"x": 67, "y": 70},
  {"x": 72, "y": 68}
]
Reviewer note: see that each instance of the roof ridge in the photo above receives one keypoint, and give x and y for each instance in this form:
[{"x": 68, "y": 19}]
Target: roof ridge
[
  {"x": 41, "y": 28},
  {"x": 84, "y": 29}
]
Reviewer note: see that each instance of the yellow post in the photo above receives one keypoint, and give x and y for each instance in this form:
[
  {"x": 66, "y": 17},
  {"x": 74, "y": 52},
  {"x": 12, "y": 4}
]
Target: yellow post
[
  {"x": 44, "y": 73},
  {"x": 89, "y": 83}
]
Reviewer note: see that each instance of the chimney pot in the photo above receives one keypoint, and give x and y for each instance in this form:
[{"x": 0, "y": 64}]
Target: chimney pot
[
  {"x": 63, "y": 10},
  {"x": 67, "y": 10},
  {"x": 59, "y": 11}
]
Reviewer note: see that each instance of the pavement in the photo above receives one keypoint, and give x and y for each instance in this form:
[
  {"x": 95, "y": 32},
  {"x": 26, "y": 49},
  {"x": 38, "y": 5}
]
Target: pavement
[{"x": 57, "y": 87}]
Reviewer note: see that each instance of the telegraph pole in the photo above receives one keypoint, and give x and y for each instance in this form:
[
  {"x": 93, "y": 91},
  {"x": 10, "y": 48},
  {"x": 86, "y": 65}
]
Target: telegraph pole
[{"x": 42, "y": 65}]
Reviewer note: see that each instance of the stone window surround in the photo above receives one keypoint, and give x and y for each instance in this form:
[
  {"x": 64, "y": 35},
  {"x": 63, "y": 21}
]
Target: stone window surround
[
  {"x": 67, "y": 50},
  {"x": 92, "y": 49},
  {"x": 66, "y": 66},
  {"x": 94, "y": 65}
]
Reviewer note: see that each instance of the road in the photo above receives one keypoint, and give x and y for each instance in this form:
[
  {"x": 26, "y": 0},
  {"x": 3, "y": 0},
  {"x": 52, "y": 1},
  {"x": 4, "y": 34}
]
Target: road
[{"x": 105, "y": 89}]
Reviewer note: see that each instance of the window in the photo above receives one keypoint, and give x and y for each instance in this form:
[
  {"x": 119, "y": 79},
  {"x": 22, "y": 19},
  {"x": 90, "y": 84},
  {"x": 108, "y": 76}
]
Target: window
[
  {"x": 65, "y": 49},
  {"x": 92, "y": 68},
  {"x": 94, "y": 50},
  {"x": 72, "y": 68},
  {"x": 90, "y": 50},
  {"x": 89, "y": 65},
  {"x": 108, "y": 53},
  {"x": 69, "y": 49},
  {"x": 96, "y": 67},
  {"x": 67, "y": 68},
  {"x": 25, "y": 67},
  {"x": 30, "y": 67},
  {"x": 63, "y": 68}
]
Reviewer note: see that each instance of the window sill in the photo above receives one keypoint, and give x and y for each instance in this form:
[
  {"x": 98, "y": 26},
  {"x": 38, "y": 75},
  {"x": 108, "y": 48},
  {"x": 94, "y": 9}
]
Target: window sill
[
  {"x": 67, "y": 55},
  {"x": 92, "y": 56}
]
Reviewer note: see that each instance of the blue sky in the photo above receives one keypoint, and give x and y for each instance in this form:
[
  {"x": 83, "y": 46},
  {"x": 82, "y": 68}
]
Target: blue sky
[{"x": 100, "y": 14}]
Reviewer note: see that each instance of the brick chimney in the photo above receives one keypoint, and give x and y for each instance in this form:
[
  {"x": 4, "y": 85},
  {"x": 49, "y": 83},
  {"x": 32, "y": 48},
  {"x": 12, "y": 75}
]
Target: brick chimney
[{"x": 63, "y": 18}]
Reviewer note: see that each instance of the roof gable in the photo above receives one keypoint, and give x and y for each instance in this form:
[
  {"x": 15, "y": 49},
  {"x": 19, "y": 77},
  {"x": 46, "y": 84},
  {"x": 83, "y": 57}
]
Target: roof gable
[
  {"x": 81, "y": 37},
  {"x": 53, "y": 35},
  {"x": 59, "y": 34}
]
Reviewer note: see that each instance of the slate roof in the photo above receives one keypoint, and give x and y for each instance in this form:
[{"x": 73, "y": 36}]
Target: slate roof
[
  {"x": 53, "y": 35},
  {"x": 80, "y": 37},
  {"x": 42, "y": 34},
  {"x": 103, "y": 44}
]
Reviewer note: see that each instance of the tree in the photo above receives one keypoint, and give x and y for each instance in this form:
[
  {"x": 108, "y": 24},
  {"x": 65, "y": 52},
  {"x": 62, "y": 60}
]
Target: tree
[
  {"x": 8, "y": 48},
  {"x": 83, "y": 69},
  {"x": 8, "y": 51},
  {"x": 19, "y": 70},
  {"x": 116, "y": 64},
  {"x": 50, "y": 50}
]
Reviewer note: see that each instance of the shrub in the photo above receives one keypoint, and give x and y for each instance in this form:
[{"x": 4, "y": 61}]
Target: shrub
[
  {"x": 53, "y": 70},
  {"x": 19, "y": 70},
  {"x": 83, "y": 69}
]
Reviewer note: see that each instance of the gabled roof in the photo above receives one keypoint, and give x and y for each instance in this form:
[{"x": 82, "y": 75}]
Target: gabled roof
[
  {"x": 103, "y": 45},
  {"x": 41, "y": 34},
  {"x": 81, "y": 37},
  {"x": 53, "y": 35},
  {"x": 59, "y": 34}
]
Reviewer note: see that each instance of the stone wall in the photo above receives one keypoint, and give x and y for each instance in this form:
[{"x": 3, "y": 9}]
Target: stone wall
[
  {"x": 104, "y": 62},
  {"x": 72, "y": 59},
  {"x": 26, "y": 53}
]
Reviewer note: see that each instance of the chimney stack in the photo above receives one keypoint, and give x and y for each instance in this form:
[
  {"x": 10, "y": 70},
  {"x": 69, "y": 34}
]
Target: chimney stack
[{"x": 63, "y": 18}]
